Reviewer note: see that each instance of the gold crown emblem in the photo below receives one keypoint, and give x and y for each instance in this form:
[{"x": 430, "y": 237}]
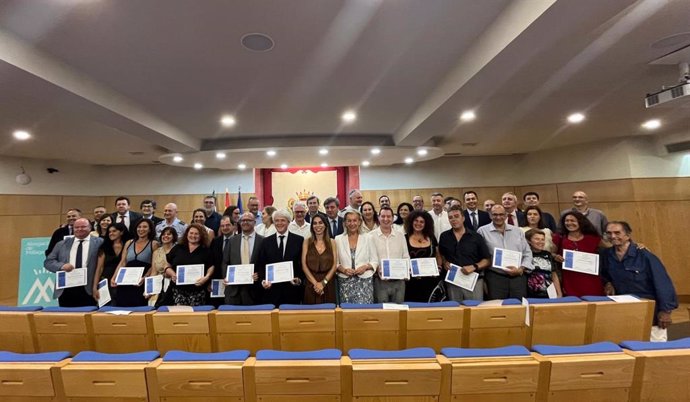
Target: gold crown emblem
[{"x": 303, "y": 195}]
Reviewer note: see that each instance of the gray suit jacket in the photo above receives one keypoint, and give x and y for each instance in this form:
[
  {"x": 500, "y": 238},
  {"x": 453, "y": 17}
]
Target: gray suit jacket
[
  {"x": 60, "y": 256},
  {"x": 232, "y": 255}
]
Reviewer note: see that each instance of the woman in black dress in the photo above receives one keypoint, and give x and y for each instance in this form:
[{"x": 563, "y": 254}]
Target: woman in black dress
[
  {"x": 421, "y": 243},
  {"x": 138, "y": 253},
  {"x": 191, "y": 250},
  {"x": 109, "y": 256}
]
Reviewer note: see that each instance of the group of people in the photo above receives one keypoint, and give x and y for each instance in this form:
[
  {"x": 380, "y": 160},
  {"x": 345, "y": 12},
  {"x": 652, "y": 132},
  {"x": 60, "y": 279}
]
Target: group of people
[{"x": 336, "y": 253}]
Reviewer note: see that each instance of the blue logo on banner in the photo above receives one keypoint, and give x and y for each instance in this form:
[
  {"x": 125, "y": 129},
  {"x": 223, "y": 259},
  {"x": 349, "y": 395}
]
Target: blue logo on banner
[
  {"x": 35, "y": 282},
  {"x": 415, "y": 267},
  {"x": 386, "y": 268},
  {"x": 231, "y": 274},
  {"x": 452, "y": 272},
  {"x": 269, "y": 274}
]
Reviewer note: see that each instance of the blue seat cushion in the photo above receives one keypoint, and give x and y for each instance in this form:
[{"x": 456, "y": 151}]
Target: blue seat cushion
[
  {"x": 165, "y": 309},
  {"x": 50, "y": 357},
  {"x": 181, "y": 356},
  {"x": 414, "y": 353},
  {"x": 353, "y": 306},
  {"x": 54, "y": 309},
  {"x": 323, "y": 306},
  {"x": 258, "y": 307},
  {"x": 601, "y": 298},
  {"x": 567, "y": 299},
  {"x": 506, "y": 302},
  {"x": 323, "y": 354},
  {"x": 20, "y": 308},
  {"x": 683, "y": 343},
  {"x": 139, "y": 309},
  {"x": 488, "y": 352},
  {"x": 116, "y": 357},
  {"x": 600, "y": 347},
  {"x": 437, "y": 304}
]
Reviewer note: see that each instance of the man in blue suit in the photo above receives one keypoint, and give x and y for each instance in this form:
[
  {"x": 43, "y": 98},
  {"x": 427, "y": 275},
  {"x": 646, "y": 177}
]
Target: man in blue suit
[
  {"x": 335, "y": 222},
  {"x": 80, "y": 251}
]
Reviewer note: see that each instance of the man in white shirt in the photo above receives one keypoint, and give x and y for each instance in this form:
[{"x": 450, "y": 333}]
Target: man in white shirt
[
  {"x": 440, "y": 217},
  {"x": 389, "y": 244},
  {"x": 299, "y": 225},
  {"x": 418, "y": 203},
  {"x": 356, "y": 200}
]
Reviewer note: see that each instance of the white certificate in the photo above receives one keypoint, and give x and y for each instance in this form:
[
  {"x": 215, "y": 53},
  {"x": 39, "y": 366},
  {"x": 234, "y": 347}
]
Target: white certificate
[
  {"x": 279, "y": 272},
  {"x": 394, "y": 268},
  {"x": 103, "y": 293},
  {"x": 71, "y": 279},
  {"x": 586, "y": 263},
  {"x": 625, "y": 299},
  {"x": 153, "y": 285},
  {"x": 423, "y": 267},
  {"x": 217, "y": 288},
  {"x": 551, "y": 291},
  {"x": 129, "y": 276},
  {"x": 189, "y": 274},
  {"x": 506, "y": 258},
  {"x": 240, "y": 274},
  {"x": 457, "y": 278}
]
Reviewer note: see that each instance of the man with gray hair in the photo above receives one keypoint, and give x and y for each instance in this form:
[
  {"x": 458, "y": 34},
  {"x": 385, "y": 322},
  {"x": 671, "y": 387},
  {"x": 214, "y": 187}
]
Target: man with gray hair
[
  {"x": 299, "y": 225},
  {"x": 355, "y": 197}
]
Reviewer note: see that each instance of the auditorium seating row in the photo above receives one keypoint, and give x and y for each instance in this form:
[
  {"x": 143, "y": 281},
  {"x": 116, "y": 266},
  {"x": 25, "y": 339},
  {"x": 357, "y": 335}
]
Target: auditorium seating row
[
  {"x": 564, "y": 321},
  {"x": 604, "y": 371}
]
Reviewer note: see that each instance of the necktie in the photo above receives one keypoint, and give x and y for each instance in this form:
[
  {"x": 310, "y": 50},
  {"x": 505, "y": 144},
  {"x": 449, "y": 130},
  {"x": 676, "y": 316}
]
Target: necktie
[
  {"x": 474, "y": 220},
  {"x": 281, "y": 246},
  {"x": 244, "y": 255},
  {"x": 225, "y": 243},
  {"x": 510, "y": 219},
  {"x": 122, "y": 219},
  {"x": 79, "y": 258},
  {"x": 334, "y": 227}
]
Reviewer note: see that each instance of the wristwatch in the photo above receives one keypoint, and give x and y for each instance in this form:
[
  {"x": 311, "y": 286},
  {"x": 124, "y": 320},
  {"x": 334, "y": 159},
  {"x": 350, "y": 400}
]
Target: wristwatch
[
  {"x": 325, "y": 281},
  {"x": 476, "y": 266}
]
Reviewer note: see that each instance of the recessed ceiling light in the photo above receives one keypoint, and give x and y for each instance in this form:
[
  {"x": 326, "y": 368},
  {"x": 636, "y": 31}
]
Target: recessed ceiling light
[
  {"x": 468, "y": 115},
  {"x": 652, "y": 124},
  {"x": 21, "y": 135},
  {"x": 409, "y": 160},
  {"x": 365, "y": 163},
  {"x": 228, "y": 120},
  {"x": 283, "y": 166},
  {"x": 576, "y": 118},
  {"x": 198, "y": 166},
  {"x": 375, "y": 151},
  {"x": 324, "y": 164},
  {"x": 220, "y": 155},
  {"x": 349, "y": 116},
  {"x": 271, "y": 153},
  {"x": 241, "y": 166},
  {"x": 257, "y": 42},
  {"x": 323, "y": 151},
  {"x": 422, "y": 152},
  {"x": 178, "y": 158}
]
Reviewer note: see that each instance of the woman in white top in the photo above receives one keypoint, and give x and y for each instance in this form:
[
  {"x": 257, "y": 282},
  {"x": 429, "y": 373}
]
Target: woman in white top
[
  {"x": 535, "y": 221},
  {"x": 370, "y": 219},
  {"x": 357, "y": 262},
  {"x": 266, "y": 227},
  {"x": 199, "y": 216}
]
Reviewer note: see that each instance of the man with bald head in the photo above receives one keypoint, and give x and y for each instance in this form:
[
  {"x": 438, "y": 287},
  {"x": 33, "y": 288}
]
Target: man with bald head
[
  {"x": 581, "y": 205},
  {"x": 80, "y": 251},
  {"x": 242, "y": 249},
  {"x": 356, "y": 200},
  {"x": 170, "y": 220}
]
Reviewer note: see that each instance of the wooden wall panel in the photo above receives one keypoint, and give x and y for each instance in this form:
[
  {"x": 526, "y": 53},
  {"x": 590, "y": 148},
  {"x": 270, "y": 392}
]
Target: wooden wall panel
[
  {"x": 598, "y": 191},
  {"x": 661, "y": 189},
  {"x": 20, "y": 205},
  {"x": 548, "y": 193},
  {"x": 85, "y": 204}
]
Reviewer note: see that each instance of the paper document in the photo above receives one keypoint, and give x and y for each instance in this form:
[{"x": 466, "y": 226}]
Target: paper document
[
  {"x": 423, "y": 267},
  {"x": 491, "y": 303},
  {"x": 153, "y": 285},
  {"x": 129, "y": 276},
  {"x": 119, "y": 312},
  {"x": 526, "y": 304},
  {"x": 457, "y": 278},
  {"x": 551, "y": 291},
  {"x": 394, "y": 268},
  {"x": 504, "y": 258},
  {"x": 394, "y": 306},
  {"x": 180, "y": 309},
  {"x": 217, "y": 288},
  {"x": 103, "y": 293},
  {"x": 586, "y": 263},
  {"x": 71, "y": 279},
  {"x": 279, "y": 272},
  {"x": 189, "y": 274},
  {"x": 240, "y": 274},
  {"x": 625, "y": 299}
]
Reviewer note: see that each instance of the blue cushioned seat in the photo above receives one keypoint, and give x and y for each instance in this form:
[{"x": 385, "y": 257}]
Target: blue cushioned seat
[
  {"x": 352, "y": 306},
  {"x": 89, "y": 356},
  {"x": 165, "y": 309},
  {"x": 506, "y": 302},
  {"x": 683, "y": 343},
  {"x": 20, "y": 308},
  {"x": 50, "y": 357},
  {"x": 258, "y": 307},
  {"x": 182, "y": 356},
  {"x": 567, "y": 299},
  {"x": 323, "y": 306},
  {"x": 139, "y": 309},
  {"x": 323, "y": 354},
  {"x": 600, "y": 347},
  {"x": 485, "y": 352},
  {"x": 601, "y": 298},
  {"x": 86, "y": 309},
  {"x": 437, "y": 304},
  {"x": 414, "y": 353}
]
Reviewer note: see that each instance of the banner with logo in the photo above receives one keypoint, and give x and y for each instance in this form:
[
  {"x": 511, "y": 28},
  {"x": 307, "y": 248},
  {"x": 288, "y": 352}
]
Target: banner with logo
[{"x": 35, "y": 282}]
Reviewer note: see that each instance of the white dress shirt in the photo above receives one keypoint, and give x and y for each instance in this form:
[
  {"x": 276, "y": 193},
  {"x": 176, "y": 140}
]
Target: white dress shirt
[
  {"x": 304, "y": 231},
  {"x": 84, "y": 252},
  {"x": 441, "y": 223},
  {"x": 388, "y": 246}
]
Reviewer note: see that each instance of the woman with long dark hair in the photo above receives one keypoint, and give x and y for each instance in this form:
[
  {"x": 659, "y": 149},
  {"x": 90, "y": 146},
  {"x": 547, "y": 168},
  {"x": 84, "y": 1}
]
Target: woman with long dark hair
[
  {"x": 578, "y": 234},
  {"x": 421, "y": 243},
  {"x": 318, "y": 263}
]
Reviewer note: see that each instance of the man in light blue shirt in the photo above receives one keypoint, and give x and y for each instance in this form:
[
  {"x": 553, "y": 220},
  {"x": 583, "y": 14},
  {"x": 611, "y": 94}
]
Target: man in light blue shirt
[{"x": 511, "y": 282}]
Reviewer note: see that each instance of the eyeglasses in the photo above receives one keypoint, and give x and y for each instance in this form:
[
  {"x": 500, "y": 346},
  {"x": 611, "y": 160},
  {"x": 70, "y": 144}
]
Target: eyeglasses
[
  {"x": 498, "y": 215},
  {"x": 246, "y": 221}
]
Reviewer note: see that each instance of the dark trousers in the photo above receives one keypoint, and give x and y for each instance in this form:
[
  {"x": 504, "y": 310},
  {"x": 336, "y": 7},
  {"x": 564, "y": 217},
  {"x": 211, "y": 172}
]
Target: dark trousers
[
  {"x": 242, "y": 295},
  {"x": 504, "y": 286},
  {"x": 76, "y": 297}
]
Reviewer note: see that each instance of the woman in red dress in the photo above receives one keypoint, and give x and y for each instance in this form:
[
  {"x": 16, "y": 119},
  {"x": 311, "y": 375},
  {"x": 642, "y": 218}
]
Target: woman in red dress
[{"x": 578, "y": 234}]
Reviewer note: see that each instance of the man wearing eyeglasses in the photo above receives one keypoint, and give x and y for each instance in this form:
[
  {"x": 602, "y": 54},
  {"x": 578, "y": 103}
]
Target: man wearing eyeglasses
[{"x": 299, "y": 225}]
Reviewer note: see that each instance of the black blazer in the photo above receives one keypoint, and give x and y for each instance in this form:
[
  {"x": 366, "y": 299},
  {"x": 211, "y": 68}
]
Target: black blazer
[
  {"x": 134, "y": 218},
  {"x": 269, "y": 253},
  {"x": 483, "y": 218},
  {"x": 232, "y": 255},
  {"x": 339, "y": 230},
  {"x": 58, "y": 235}
]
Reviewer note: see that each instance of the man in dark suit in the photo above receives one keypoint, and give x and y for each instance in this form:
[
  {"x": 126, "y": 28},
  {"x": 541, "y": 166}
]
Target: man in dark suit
[
  {"x": 123, "y": 215},
  {"x": 218, "y": 246},
  {"x": 279, "y": 247},
  {"x": 242, "y": 248},
  {"x": 514, "y": 216},
  {"x": 148, "y": 210},
  {"x": 474, "y": 217},
  {"x": 80, "y": 251},
  {"x": 335, "y": 222},
  {"x": 66, "y": 230}
]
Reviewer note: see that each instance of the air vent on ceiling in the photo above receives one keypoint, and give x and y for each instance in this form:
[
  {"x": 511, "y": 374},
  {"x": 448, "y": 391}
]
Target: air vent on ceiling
[{"x": 678, "y": 147}]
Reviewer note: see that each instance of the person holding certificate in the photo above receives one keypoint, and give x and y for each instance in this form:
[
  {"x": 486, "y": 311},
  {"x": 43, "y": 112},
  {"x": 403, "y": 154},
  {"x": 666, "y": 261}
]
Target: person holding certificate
[
  {"x": 243, "y": 249},
  {"x": 139, "y": 253},
  {"x": 160, "y": 261},
  {"x": 281, "y": 255},
  {"x": 421, "y": 243},
  {"x": 505, "y": 279},
  {"x": 109, "y": 257},
  {"x": 357, "y": 261},
  {"x": 542, "y": 280},
  {"x": 190, "y": 253},
  {"x": 78, "y": 252},
  {"x": 578, "y": 234},
  {"x": 466, "y": 249},
  {"x": 389, "y": 244},
  {"x": 318, "y": 263}
]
